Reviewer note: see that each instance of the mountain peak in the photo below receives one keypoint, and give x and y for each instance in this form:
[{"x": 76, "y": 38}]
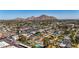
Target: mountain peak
[{"x": 43, "y": 15}]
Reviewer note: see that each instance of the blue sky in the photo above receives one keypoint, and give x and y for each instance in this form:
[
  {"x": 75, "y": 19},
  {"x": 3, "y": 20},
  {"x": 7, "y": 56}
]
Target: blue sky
[{"x": 60, "y": 14}]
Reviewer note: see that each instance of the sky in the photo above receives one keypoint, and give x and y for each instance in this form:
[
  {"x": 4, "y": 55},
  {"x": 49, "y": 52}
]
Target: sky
[{"x": 59, "y": 14}]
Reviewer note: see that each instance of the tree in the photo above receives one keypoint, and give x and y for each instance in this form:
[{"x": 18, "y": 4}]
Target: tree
[
  {"x": 46, "y": 41},
  {"x": 22, "y": 38}
]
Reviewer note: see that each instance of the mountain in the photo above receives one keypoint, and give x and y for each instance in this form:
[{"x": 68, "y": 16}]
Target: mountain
[
  {"x": 19, "y": 18},
  {"x": 42, "y": 17}
]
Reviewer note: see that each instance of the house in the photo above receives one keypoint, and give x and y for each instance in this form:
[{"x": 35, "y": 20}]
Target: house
[
  {"x": 15, "y": 37},
  {"x": 3, "y": 44}
]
